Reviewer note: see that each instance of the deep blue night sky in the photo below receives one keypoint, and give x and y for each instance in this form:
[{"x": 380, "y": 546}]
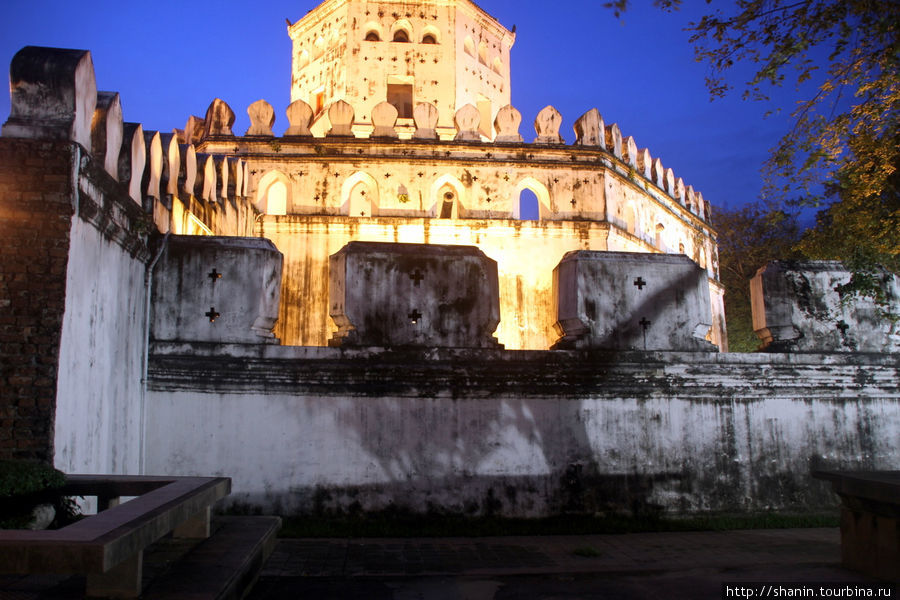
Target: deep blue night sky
[{"x": 169, "y": 59}]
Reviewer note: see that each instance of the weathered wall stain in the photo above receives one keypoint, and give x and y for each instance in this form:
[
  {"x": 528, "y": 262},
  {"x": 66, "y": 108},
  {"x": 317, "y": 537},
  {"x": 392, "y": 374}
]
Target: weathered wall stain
[{"x": 456, "y": 430}]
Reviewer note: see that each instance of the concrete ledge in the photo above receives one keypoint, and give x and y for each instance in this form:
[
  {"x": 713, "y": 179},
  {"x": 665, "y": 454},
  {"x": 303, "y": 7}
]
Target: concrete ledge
[
  {"x": 107, "y": 547},
  {"x": 700, "y": 376},
  {"x": 223, "y": 567}
]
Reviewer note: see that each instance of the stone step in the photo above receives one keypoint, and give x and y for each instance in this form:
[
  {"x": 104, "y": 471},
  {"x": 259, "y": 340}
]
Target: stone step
[{"x": 222, "y": 567}]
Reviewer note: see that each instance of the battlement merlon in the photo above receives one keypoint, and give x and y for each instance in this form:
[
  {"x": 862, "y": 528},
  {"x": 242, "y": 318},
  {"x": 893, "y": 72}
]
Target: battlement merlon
[{"x": 596, "y": 146}]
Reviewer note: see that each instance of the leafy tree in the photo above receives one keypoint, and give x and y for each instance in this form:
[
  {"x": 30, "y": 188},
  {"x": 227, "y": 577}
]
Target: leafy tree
[
  {"x": 859, "y": 230},
  {"x": 843, "y": 137},
  {"x": 843, "y": 148},
  {"x": 749, "y": 237},
  {"x": 862, "y": 232}
]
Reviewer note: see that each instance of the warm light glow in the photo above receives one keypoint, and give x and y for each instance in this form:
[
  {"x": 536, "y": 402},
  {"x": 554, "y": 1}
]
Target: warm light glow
[
  {"x": 196, "y": 226},
  {"x": 276, "y": 199}
]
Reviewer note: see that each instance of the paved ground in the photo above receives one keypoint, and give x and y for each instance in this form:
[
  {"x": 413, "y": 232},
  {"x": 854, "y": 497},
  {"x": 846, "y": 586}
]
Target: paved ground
[
  {"x": 671, "y": 566},
  {"x": 633, "y": 566}
]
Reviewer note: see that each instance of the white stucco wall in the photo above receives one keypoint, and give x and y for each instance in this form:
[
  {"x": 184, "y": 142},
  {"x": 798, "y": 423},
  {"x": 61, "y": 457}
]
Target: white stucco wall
[
  {"x": 101, "y": 348},
  {"x": 711, "y": 432}
]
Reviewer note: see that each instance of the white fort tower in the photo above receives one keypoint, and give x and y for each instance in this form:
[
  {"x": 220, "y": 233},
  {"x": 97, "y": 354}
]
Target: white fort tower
[{"x": 448, "y": 53}]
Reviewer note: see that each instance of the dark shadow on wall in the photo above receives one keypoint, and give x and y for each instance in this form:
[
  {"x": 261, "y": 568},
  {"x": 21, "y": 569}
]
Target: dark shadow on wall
[{"x": 469, "y": 438}]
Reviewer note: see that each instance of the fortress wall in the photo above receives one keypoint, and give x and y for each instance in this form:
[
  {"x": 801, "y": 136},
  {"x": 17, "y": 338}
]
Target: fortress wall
[
  {"x": 526, "y": 253},
  {"x": 101, "y": 358},
  {"x": 98, "y": 397},
  {"x": 71, "y": 289},
  {"x": 35, "y": 223},
  {"x": 519, "y": 433}
]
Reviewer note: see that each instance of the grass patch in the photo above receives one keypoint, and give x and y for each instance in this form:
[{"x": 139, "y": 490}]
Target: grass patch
[{"x": 408, "y": 525}]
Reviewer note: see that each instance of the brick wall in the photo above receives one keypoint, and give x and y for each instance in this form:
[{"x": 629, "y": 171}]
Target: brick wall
[{"x": 35, "y": 222}]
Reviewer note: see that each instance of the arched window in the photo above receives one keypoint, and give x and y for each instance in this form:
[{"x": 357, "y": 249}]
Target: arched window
[
  {"x": 401, "y": 35},
  {"x": 373, "y": 31},
  {"x": 529, "y": 209},
  {"x": 447, "y": 195},
  {"x": 430, "y": 35},
  {"x": 272, "y": 193},
  {"x": 318, "y": 47},
  {"x": 482, "y": 53},
  {"x": 534, "y": 199},
  {"x": 497, "y": 66},
  {"x": 360, "y": 200},
  {"x": 660, "y": 243},
  {"x": 359, "y": 195},
  {"x": 447, "y": 208},
  {"x": 469, "y": 46}
]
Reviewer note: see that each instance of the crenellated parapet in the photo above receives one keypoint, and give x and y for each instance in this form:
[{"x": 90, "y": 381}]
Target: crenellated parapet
[
  {"x": 54, "y": 97},
  {"x": 168, "y": 165},
  {"x": 593, "y": 138}
]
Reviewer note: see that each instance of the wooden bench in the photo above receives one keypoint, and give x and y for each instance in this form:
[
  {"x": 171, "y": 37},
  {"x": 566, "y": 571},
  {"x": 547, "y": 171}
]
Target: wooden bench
[
  {"x": 108, "y": 547},
  {"x": 870, "y": 520}
]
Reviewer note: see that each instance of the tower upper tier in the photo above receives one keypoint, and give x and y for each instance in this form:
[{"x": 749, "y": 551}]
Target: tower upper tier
[{"x": 445, "y": 52}]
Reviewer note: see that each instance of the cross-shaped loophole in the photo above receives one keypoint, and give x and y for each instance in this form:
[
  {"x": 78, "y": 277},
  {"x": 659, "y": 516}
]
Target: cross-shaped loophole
[
  {"x": 417, "y": 277},
  {"x": 214, "y": 275},
  {"x": 212, "y": 314},
  {"x": 644, "y": 323},
  {"x": 640, "y": 283},
  {"x": 414, "y": 316}
]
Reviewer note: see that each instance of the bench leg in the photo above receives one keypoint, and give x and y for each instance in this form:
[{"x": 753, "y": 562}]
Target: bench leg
[
  {"x": 122, "y": 581},
  {"x": 107, "y": 502},
  {"x": 197, "y": 527}
]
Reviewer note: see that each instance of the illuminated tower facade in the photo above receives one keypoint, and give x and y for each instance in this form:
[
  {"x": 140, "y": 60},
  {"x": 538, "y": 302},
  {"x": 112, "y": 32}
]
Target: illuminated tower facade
[{"x": 448, "y": 53}]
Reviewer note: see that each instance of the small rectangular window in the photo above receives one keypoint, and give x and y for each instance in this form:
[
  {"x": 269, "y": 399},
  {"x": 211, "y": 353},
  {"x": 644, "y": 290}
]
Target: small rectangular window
[
  {"x": 401, "y": 96},
  {"x": 484, "y": 107},
  {"x": 319, "y": 104}
]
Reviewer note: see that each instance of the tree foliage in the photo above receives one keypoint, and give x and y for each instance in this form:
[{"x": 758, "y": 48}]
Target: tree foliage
[
  {"x": 864, "y": 233},
  {"x": 842, "y": 150},
  {"x": 843, "y": 137},
  {"x": 749, "y": 237},
  {"x": 855, "y": 109}
]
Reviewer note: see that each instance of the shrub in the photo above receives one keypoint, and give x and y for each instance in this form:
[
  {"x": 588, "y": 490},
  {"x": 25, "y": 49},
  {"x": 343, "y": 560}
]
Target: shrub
[{"x": 25, "y": 485}]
